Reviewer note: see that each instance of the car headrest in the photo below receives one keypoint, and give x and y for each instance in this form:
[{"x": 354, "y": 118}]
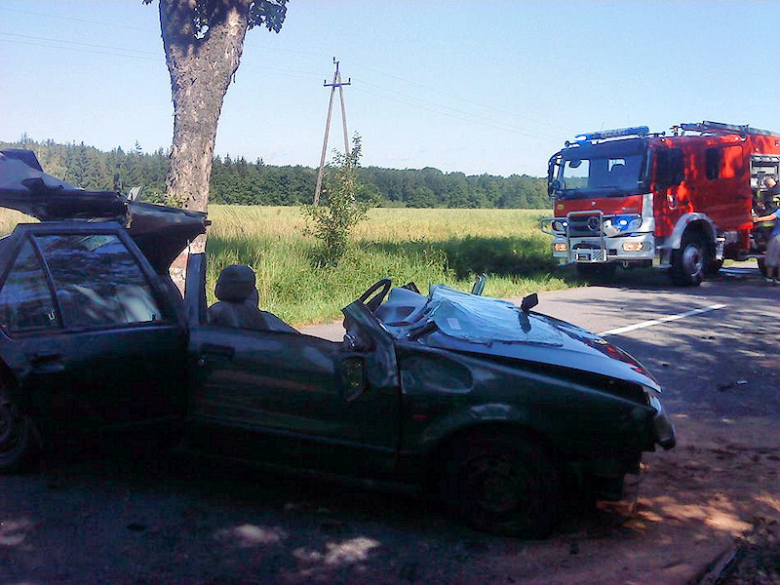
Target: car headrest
[{"x": 236, "y": 284}]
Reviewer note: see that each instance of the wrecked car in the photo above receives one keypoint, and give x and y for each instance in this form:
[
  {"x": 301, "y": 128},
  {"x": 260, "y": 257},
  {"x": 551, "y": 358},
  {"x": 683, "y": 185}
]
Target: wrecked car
[{"x": 496, "y": 407}]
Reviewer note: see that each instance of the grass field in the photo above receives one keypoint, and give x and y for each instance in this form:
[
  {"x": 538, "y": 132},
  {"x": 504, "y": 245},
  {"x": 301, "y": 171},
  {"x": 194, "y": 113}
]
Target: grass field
[{"x": 427, "y": 246}]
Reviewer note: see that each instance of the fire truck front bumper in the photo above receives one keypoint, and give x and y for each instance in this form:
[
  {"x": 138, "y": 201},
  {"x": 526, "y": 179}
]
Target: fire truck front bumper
[{"x": 595, "y": 250}]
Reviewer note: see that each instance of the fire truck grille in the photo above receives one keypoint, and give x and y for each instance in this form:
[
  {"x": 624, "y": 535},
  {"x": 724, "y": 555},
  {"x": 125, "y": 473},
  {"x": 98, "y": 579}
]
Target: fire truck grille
[{"x": 584, "y": 226}]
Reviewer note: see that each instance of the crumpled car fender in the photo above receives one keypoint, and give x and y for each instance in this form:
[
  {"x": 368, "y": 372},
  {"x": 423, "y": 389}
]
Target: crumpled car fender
[{"x": 474, "y": 417}]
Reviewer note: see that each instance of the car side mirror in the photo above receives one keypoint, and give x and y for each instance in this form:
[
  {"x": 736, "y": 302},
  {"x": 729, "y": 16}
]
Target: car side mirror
[
  {"x": 529, "y": 302},
  {"x": 353, "y": 378}
]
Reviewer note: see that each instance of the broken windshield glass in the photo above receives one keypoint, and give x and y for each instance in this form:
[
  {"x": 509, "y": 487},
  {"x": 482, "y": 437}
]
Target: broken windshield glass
[{"x": 486, "y": 320}]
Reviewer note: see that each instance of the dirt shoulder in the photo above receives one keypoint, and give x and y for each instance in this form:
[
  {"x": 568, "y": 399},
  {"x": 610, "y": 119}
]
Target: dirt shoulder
[{"x": 698, "y": 504}]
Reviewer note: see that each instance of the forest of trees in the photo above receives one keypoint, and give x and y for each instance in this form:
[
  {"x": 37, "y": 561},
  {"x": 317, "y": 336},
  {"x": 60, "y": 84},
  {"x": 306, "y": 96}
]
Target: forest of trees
[{"x": 237, "y": 181}]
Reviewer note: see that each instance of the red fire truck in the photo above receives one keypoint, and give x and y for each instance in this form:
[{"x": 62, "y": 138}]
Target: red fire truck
[{"x": 682, "y": 201}]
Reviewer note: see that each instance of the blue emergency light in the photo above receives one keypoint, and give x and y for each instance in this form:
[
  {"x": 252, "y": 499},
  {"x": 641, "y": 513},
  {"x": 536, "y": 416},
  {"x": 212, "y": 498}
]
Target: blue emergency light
[{"x": 604, "y": 134}]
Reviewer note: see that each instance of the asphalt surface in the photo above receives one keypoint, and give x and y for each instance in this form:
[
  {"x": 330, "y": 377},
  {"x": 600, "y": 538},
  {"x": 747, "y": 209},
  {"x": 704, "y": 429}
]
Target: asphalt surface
[{"x": 95, "y": 516}]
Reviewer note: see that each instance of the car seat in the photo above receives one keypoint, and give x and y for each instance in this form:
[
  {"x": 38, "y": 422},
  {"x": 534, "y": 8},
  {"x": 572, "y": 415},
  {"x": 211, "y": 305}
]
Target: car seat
[{"x": 237, "y": 306}]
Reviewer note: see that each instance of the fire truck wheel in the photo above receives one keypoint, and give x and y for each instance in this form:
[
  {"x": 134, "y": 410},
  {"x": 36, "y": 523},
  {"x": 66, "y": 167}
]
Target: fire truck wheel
[
  {"x": 713, "y": 268},
  {"x": 690, "y": 261}
]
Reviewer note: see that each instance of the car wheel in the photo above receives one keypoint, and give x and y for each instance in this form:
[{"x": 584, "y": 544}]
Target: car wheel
[
  {"x": 690, "y": 261},
  {"x": 15, "y": 435},
  {"x": 502, "y": 485}
]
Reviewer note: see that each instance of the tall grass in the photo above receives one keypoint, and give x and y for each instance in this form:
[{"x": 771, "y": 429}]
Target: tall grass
[
  {"x": 9, "y": 218},
  {"x": 426, "y": 246}
]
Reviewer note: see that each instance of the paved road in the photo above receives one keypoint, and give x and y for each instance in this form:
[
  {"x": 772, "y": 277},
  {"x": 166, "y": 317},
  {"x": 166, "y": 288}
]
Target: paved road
[
  {"x": 98, "y": 519},
  {"x": 713, "y": 346}
]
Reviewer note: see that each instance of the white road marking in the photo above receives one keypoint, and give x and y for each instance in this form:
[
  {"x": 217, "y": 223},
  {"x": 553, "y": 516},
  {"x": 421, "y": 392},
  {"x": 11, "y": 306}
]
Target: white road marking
[{"x": 662, "y": 320}]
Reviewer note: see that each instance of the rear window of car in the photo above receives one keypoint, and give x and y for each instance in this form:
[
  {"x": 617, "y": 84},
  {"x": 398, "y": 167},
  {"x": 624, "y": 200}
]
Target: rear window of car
[{"x": 98, "y": 281}]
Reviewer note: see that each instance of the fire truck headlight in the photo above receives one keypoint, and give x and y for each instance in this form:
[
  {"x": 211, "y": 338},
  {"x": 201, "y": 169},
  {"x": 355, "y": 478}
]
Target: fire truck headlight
[
  {"x": 625, "y": 223},
  {"x": 559, "y": 247},
  {"x": 559, "y": 225},
  {"x": 633, "y": 246}
]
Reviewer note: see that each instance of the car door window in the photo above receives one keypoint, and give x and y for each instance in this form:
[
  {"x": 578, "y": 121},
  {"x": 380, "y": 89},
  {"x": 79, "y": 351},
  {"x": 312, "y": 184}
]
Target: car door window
[
  {"x": 98, "y": 282},
  {"x": 25, "y": 300}
]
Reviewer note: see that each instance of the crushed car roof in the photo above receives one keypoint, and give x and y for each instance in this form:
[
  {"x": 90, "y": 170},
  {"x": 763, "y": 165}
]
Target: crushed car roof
[{"x": 161, "y": 232}]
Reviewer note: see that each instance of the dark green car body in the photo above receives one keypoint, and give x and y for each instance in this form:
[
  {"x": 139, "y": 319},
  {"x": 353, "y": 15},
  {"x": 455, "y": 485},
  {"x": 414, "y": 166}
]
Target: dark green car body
[{"x": 492, "y": 404}]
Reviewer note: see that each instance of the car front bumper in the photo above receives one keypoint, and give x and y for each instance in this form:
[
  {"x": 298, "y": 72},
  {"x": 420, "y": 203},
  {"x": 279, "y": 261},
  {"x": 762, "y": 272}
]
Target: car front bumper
[{"x": 663, "y": 427}]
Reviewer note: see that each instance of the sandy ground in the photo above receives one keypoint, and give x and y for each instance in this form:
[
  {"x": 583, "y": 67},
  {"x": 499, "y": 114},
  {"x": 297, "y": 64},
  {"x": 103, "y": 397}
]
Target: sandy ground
[{"x": 697, "y": 504}]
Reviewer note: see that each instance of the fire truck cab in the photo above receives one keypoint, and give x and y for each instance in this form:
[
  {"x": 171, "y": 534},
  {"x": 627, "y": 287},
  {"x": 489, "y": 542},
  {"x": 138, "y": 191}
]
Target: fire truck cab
[{"x": 683, "y": 202}]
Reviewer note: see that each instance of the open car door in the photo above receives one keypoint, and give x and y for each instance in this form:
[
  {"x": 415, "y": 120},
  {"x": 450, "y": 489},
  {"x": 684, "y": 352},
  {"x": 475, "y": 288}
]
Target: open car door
[{"x": 289, "y": 399}]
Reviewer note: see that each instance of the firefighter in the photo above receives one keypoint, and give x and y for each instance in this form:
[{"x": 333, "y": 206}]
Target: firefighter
[
  {"x": 771, "y": 185},
  {"x": 766, "y": 199},
  {"x": 772, "y": 258}
]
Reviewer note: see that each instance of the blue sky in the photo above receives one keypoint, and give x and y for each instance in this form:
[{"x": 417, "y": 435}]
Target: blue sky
[{"x": 478, "y": 86}]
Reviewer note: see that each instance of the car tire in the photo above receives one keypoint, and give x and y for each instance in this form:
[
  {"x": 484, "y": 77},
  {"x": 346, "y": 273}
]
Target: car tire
[
  {"x": 503, "y": 485},
  {"x": 16, "y": 435},
  {"x": 690, "y": 262}
]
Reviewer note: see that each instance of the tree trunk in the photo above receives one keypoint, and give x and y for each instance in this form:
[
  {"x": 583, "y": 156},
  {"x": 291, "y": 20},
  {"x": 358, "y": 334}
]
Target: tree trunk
[{"x": 201, "y": 69}]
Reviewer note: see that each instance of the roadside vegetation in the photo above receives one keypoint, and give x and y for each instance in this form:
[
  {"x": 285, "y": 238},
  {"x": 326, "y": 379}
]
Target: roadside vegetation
[
  {"x": 339, "y": 211},
  {"x": 426, "y": 226},
  {"x": 428, "y": 246},
  {"x": 9, "y": 218}
]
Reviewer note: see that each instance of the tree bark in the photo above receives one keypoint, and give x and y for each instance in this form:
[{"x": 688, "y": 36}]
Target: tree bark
[{"x": 201, "y": 69}]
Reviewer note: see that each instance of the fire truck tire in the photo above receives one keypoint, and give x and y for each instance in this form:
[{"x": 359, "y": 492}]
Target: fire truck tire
[
  {"x": 596, "y": 271},
  {"x": 713, "y": 268},
  {"x": 690, "y": 262}
]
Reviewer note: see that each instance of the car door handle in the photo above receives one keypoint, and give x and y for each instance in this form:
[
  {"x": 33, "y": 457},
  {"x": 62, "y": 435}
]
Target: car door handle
[
  {"x": 42, "y": 357},
  {"x": 224, "y": 352},
  {"x": 47, "y": 360}
]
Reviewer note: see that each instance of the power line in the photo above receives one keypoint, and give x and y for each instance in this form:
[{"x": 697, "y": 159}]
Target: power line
[
  {"x": 466, "y": 100},
  {"x": 470, "y": 116},
  {"x": 77, "y": 43},
  {"x": 70, "y": 18},
  {"x": 545, "y": 123},
  {"x": 435, "y": 107}
]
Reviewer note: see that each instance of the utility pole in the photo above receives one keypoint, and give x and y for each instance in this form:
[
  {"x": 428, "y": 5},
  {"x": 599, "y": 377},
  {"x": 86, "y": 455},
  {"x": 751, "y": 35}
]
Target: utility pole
[{"x": 337, "y": 83}]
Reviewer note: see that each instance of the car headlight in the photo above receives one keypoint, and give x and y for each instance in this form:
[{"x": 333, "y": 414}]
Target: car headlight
[{"x": 652, "y": 392}]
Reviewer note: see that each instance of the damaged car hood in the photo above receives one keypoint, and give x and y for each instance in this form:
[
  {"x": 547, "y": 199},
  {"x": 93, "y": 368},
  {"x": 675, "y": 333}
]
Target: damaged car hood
[
  {"x": 462, "y": 322},
  {"x": 161, "y": 232}
]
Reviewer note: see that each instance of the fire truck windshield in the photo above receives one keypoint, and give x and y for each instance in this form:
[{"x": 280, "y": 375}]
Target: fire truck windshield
[{"x": 601, "y": 170}]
